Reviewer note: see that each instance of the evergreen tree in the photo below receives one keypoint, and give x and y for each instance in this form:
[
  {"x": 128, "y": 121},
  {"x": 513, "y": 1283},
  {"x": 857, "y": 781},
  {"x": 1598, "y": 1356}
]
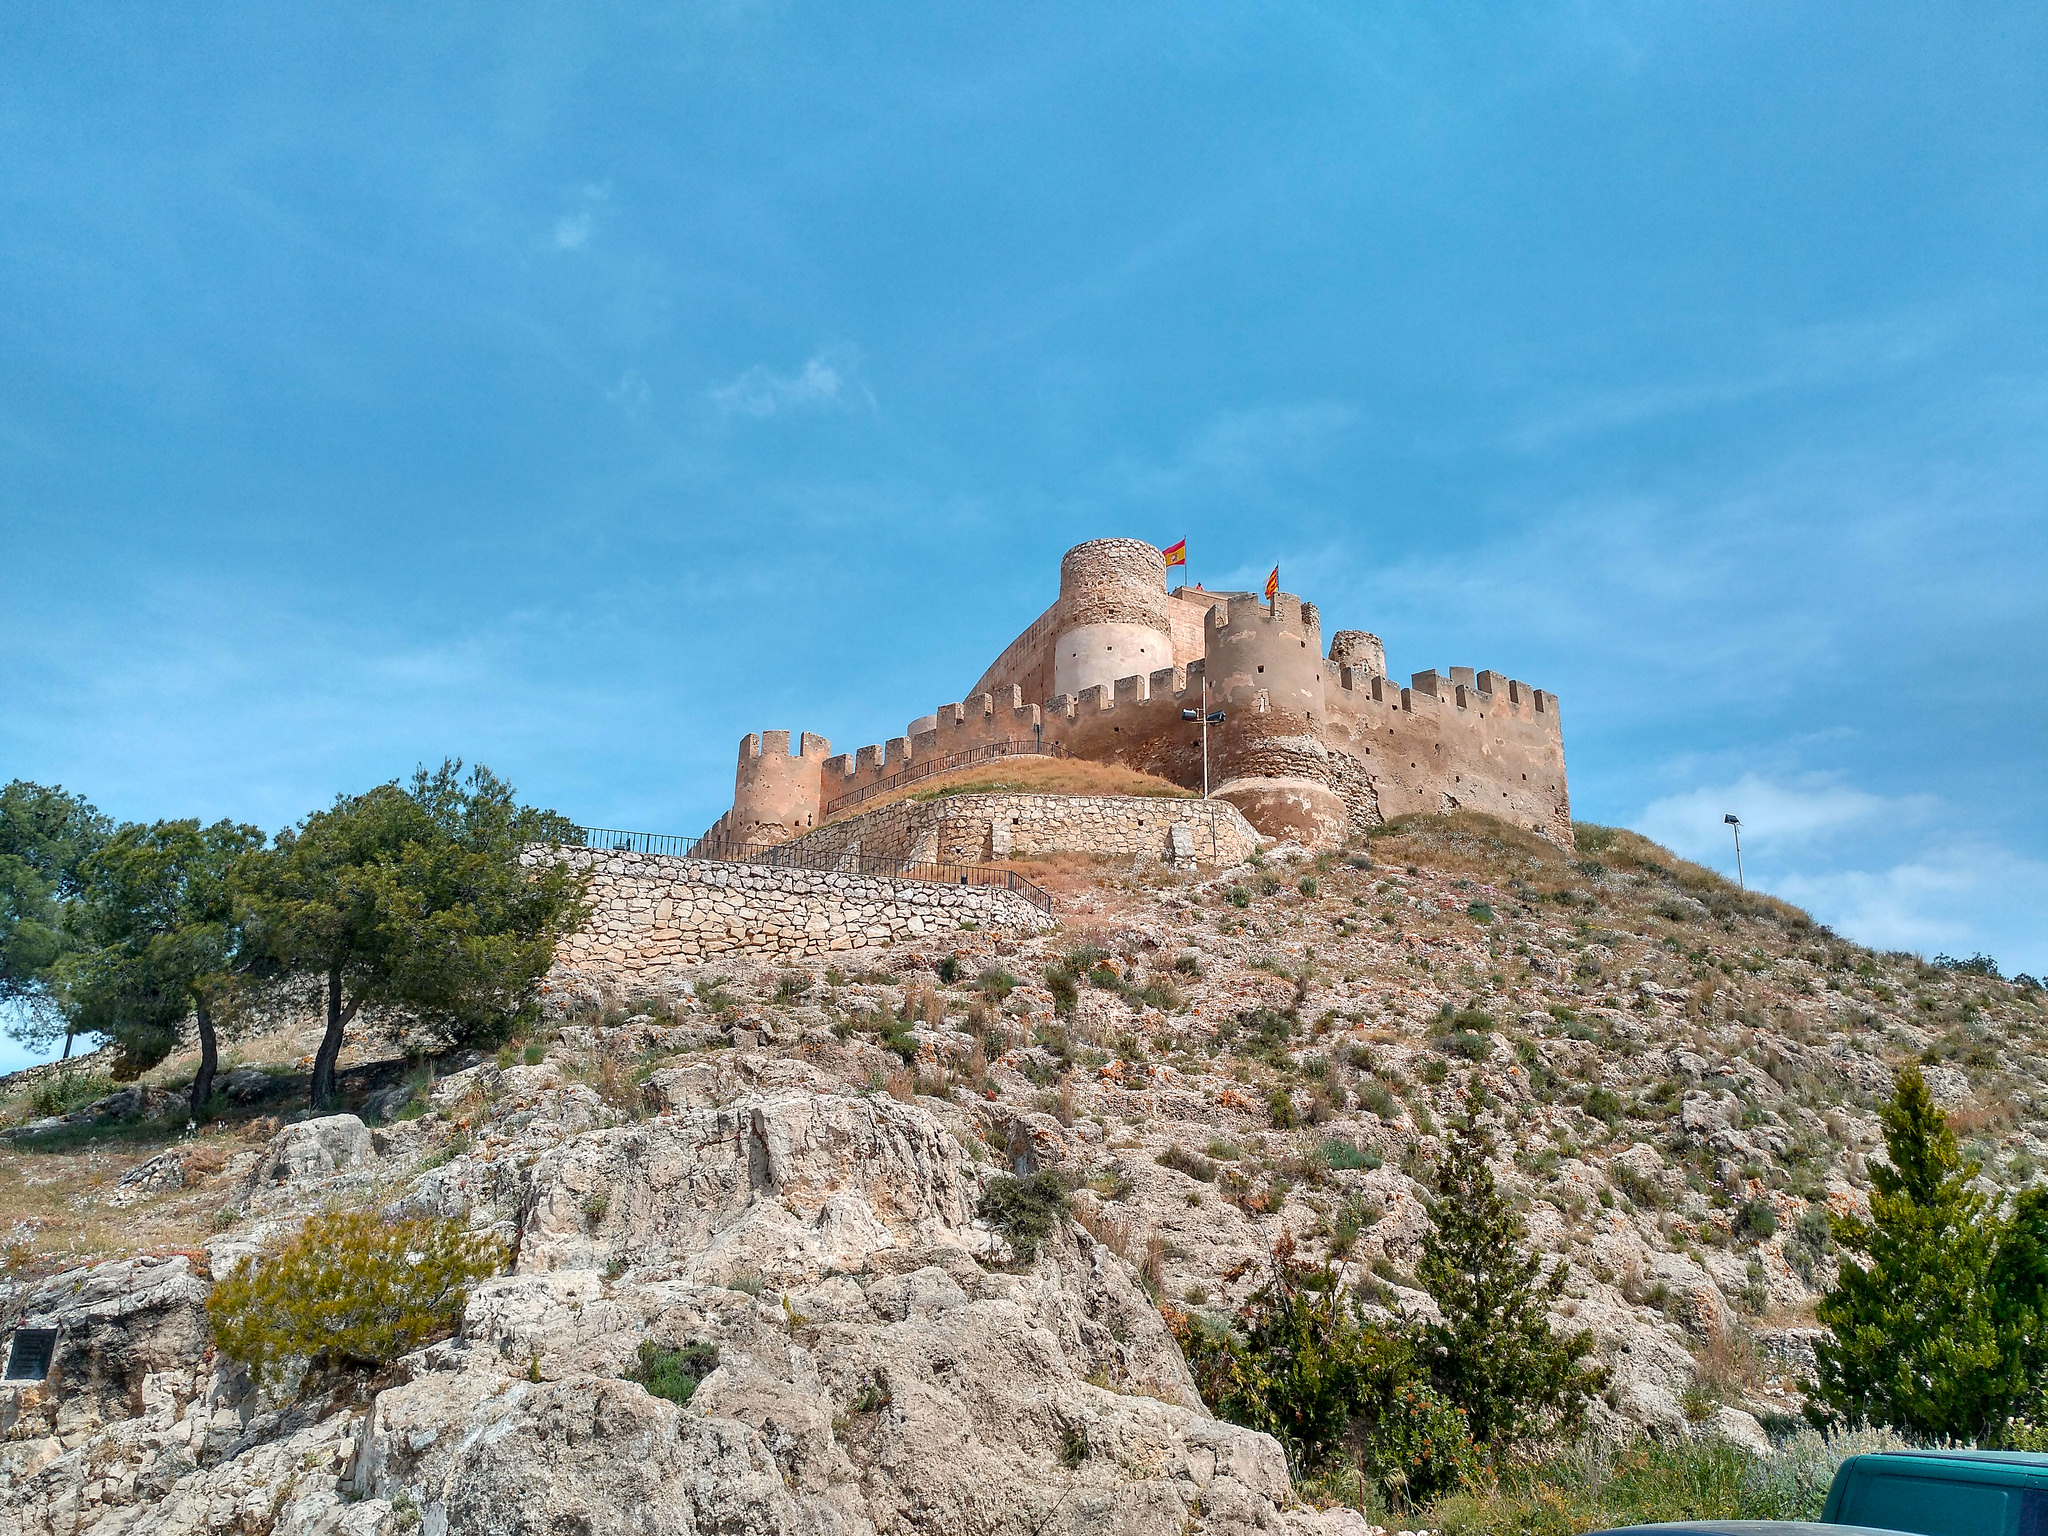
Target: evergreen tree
[
  {"x": 160, "y": 933},
  {"x": 1939, "y": 1332},
  {"x": 414, "y": 898},
  {"x": 45, "y": 835},
  {"x": 1494, "y": 1354}
]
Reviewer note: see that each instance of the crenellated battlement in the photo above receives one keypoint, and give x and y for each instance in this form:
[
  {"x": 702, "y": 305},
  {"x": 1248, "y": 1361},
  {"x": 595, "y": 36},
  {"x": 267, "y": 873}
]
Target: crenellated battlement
[{"x": 1292, "y": 715}]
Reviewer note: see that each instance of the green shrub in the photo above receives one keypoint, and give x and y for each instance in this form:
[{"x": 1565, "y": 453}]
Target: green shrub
[
  {"x": 791, "y": 986},
  {"x": 1755, "y": 1220},
  {"x": 1302, "y": 1366},
  {"x": 949, "y": 969},
  {"x": 1310, "y": 887},
  {"x": 1066, "y": 996},
  {"x": 1193, "y": 1164},
  {"x": 675, "y": 1373},
  {"x": 1280, "y": 1107},
  {"x": 1603, "y": 1104},
  {"x": 61, "y": 1092},
  {"x": 1024, "y": 1210},
  {"x": 996, "y": 983},
  {"x": 1188, "y": 965},
  {"x": 350, "y": 1292},
  {"x": 1342, "y": 1155},
  {"x": 1639, "y": 1189},
  {"x": 1239, "y": 897},
  {"x": 1480, "y": 912},
  {"x": 1373, "y": 1095},
  {"x": 1468, "y": 1045}
]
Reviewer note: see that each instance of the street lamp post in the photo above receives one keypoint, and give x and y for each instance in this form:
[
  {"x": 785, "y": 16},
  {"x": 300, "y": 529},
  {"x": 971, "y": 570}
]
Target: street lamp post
[
  {"x": 1736, "y": 822},
  {"x": 1208, "y": 718}
]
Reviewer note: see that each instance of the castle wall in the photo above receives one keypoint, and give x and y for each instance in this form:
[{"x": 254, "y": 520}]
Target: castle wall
[
  {"x": 651, "y": 913},
  {"x": 971, "y": 829},
  {"x": 1026, "y": 662},
  {"x": 1491, "y": 744}
]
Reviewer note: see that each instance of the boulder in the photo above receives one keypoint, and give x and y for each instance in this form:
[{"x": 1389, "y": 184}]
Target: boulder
[{"x": 313, "y": 1149}]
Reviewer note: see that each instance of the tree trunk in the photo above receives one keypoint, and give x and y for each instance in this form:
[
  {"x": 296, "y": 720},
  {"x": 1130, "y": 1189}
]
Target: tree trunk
[
  {"x": 330, "y": 1043},
  {"x": 209, "y": 1059},
  {"x": 68, "y": 1037}
]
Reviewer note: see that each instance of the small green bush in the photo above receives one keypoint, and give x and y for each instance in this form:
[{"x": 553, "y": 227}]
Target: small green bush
[
  {"x": 1341, "y": 1155},
  {"x": 1239, "y": 897},
  {"x": 791, "y": 986},
  {"x": 350, "y": 1292},
  {"x": 1468, "y": 1045},
  {"x": 1373, "y": 1095},
  {"x": 1310, "y": 887},
  {"x": 1603, "y": 1104},
  {"x": 1280, "y": 1108},
  {"x": 949, "y": 969},
  {"x": 1025, "y": 1210},
  {"x": 675, "y": 1373},
  {"x": 1193, "y": 1164},
  {"x": 996, "y": 983},
  {"x": 1755, "y": 1221},
  {"x": 62, "y": 1092},
  {"x": 1480, "y": 912}
]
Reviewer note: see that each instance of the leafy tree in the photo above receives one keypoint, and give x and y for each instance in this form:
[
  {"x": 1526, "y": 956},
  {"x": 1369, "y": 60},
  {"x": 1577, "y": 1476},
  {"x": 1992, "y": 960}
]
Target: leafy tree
[
  {"x": 1940, "y": 1332},
  {"x": 414, "y": 898},
  {"x": 1304, "y": 1364},
  {"x": 352, "y": 1292},
  {"x": 45, "y": 834},
  {"x": 157, "y": 914},
  {"x": 1494, "y": 1353}
]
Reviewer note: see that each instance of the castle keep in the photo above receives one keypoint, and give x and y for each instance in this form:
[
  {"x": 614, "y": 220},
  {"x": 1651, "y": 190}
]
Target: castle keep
[{"x": 1315, "y": 744}]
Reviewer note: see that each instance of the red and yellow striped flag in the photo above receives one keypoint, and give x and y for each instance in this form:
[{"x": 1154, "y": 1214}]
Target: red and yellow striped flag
[
  {"x": 1176, "y": 554},
  {"x": 1273, "y": 586}
]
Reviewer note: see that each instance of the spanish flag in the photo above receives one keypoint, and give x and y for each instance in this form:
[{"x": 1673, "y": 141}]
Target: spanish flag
[
  {"x": 1273, "y": 586},
  {"x": 1176, "y": 554}
]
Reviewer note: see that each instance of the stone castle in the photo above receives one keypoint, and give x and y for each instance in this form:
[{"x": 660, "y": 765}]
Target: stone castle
[{"x": 1313, "y": 745}]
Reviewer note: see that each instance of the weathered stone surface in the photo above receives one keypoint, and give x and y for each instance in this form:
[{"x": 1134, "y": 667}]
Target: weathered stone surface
[{"x": 313, "y": 1149}]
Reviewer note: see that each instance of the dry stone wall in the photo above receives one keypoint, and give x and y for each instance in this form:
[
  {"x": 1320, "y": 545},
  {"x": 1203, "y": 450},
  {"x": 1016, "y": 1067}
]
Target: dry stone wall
[
  {"x": 651, "y": 913},
  {"x": 972, "y": 829}
]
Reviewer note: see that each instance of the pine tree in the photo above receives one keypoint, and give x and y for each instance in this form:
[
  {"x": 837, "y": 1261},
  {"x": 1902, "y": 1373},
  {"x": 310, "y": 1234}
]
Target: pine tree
[
  {"x": 1494, "y": 1354},
  {"x": 1940, "y": 1331}
]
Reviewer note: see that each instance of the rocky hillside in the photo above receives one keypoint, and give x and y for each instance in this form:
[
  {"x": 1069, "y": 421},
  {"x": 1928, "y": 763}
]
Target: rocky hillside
[{"x": 784, "y": 1166}]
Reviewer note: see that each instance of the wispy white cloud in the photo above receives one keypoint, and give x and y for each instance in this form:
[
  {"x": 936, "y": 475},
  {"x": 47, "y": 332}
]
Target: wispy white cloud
[
  {"x": 1954, "y": 899},
  {"x": 572, "y": 231},
  {"x": 1775, "y": 812},
  {"x": 828, "y": 380}
]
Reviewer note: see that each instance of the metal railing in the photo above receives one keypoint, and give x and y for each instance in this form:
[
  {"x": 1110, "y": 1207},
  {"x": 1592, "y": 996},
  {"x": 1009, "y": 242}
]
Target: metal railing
[
  {"x": 715, "y": 846},
  {"x": 924, "y": 768},
  {"x": 610, "y": 840}
]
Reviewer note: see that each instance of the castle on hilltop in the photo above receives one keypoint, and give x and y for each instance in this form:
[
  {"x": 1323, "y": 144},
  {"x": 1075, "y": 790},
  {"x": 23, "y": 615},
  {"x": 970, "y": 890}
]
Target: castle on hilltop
[{"x": 1313, "y": 745}]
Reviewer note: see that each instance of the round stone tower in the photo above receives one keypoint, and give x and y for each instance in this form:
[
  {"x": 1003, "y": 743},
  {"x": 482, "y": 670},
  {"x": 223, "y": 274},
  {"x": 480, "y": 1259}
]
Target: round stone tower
[
  {"x": 1361, "y": 652},
  {"x": 777, "y": 795},
  {"x": 1113, "y": 616},
  {"x": 1267, "y": 672}
]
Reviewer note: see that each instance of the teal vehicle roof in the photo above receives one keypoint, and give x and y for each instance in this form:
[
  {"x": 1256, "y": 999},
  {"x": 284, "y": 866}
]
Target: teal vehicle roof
[{"x": 2027, "y": 1468}]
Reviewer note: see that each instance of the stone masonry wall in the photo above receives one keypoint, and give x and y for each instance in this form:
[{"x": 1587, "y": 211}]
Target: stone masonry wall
[
  {"x": 652, "y": 912},
  {"x": 972, "y": 829}
]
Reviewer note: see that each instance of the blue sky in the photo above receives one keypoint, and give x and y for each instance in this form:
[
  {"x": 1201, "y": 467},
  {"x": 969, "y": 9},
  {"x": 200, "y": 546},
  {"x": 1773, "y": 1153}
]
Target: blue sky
[{"x": 574, "y": 389}]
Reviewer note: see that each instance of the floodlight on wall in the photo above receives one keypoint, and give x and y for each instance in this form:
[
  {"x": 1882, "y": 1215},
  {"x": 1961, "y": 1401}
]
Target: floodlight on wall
[{"x": 29, "y": 1356}]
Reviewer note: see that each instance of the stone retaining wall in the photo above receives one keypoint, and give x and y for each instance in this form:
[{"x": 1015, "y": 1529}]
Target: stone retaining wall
[
  {"x": 973, "y": 829},
  {"x": 652, "y": 912}
]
